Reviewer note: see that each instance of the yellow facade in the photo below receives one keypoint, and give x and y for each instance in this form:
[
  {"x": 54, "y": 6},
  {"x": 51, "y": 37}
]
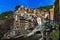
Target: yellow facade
[
  {"x": 59, "y": 6},
  {"x": 52, "y": 13}
]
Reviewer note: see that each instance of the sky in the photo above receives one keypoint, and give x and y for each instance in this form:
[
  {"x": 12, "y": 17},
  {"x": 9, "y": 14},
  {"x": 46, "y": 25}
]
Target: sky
[{"x": 9, "y": 5}]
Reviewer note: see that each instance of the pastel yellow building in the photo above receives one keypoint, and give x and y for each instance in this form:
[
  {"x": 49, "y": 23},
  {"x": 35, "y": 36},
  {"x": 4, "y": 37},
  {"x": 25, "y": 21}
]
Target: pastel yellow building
[{"x": 52, "y": 13}]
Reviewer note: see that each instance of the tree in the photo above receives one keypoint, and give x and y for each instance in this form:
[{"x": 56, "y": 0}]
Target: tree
[
  {"x": 6, "y": 14},
  {"x": 45, "y": 7},
  {"x": 16, "y": 8}
]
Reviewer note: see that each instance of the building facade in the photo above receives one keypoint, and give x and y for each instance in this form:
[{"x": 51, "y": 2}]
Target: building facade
[{"x": 56, "y": 12}]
